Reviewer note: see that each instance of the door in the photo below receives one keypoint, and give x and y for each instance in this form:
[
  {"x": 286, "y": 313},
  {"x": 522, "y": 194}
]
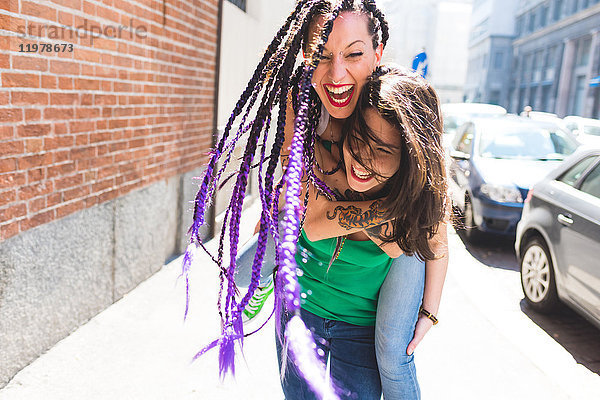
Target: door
[{"x": 579, "y": 221}]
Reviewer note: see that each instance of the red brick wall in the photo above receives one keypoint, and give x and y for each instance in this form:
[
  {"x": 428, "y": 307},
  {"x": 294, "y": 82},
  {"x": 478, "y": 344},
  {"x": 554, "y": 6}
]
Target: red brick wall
[{"x": 117, "y": 113}]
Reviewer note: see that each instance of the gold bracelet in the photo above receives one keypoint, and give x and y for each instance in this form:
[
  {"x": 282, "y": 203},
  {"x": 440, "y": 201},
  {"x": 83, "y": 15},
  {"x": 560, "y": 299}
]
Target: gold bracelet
[{"x": 428, "y": 315}]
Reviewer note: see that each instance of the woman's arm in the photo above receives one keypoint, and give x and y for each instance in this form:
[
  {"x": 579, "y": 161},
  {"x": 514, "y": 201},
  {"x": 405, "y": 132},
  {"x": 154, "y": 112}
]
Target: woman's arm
[{"x": 365, "y": 219}]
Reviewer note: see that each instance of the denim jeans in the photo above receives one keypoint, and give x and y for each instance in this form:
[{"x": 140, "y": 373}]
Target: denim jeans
[
  {"x": 351, "y": 351},
  {"x": 397, "y": 312}
]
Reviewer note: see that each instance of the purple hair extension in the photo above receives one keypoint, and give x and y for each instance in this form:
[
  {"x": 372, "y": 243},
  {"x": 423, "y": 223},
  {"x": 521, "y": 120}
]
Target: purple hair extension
[{"x": 272, "y": 82}]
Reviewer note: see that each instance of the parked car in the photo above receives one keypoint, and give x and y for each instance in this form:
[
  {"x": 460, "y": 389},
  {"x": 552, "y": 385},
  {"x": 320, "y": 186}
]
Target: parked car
[
  {"x": 558, "y": 237},
  {"x": 587, "y": 130},
  {"x": 544, "y": 116},
  {"x": 456, "y": 114},
  {"x": 493, "y": 163}
]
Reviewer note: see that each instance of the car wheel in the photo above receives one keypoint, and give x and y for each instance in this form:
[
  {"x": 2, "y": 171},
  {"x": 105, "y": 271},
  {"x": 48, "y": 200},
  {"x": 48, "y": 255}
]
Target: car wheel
[
  {"x": 472, "y": 233},
  {"x": 537, "y": 276}
]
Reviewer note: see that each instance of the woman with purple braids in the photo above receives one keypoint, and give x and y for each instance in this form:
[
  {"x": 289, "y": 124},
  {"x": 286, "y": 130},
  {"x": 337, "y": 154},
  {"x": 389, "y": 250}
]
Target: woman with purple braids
[
  {"x": 269, "y": 88},
  {"x": 392, "y": 155}
]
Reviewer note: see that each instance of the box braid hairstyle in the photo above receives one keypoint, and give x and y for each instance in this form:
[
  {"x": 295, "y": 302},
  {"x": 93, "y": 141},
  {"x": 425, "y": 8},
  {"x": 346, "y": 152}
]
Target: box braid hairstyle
[
  {"x": 273, "y": 80},
  {"x": 416, "y": 199}
]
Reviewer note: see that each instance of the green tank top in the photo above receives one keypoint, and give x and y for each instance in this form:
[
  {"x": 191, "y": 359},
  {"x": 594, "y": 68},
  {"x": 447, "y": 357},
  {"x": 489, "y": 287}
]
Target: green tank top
[{"x": 349, "y": 291}]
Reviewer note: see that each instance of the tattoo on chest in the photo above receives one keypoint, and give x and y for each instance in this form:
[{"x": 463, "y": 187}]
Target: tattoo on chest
[{"x": 353, "y": 217}]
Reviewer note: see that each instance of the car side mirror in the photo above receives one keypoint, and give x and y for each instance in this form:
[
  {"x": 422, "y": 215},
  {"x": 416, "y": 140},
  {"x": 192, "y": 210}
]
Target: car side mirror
[{"x": 459, "y": 155}]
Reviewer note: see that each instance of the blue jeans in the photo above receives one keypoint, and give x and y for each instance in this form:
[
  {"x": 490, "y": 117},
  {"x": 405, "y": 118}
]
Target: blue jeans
[
  {"x": 397, "y": 312},
  {"x": 351, "y": 351}
]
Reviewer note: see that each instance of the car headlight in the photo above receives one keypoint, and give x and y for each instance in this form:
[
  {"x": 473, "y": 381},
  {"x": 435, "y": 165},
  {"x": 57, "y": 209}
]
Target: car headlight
[{"x": 501, "y": 194}]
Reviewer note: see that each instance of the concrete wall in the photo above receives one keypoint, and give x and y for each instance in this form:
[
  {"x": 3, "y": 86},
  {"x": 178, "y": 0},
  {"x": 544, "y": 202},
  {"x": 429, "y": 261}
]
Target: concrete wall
[{"x": 58, "y": 275}]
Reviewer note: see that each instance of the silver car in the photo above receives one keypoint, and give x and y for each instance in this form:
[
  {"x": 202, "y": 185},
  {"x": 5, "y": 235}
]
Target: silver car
[{"x": 558, "y": 237}]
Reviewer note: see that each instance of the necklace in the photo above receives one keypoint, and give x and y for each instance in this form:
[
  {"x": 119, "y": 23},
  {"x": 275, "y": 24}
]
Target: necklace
[
  {"x": 337, "y": 251},
  {"x": 340, "y": 248},
  {"x": 339, "y": 164}
]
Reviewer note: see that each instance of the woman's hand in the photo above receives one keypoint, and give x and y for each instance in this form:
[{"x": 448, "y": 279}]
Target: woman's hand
[{"x": 424, "y": 324}]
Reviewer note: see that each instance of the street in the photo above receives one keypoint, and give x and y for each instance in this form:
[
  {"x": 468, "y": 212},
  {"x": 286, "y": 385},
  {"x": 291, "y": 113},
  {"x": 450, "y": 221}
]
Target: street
[
  {"x": 493, "y": 346},
  {"x": 486, "y": 346},
  {"x": 579, "y": 337}
]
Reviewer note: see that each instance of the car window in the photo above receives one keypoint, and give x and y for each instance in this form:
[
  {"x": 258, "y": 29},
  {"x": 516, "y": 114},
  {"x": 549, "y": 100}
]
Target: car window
[
  {"x": 466, "y": 140},
  {"x": 571, "y": 126},
  {"x": 526, "y": 142},
  {"x": 591, "y": 130},
  {"x": 574, "y": 173},
  {"x": 591, "y": 183},
  {"x": 450, "y": 124}
]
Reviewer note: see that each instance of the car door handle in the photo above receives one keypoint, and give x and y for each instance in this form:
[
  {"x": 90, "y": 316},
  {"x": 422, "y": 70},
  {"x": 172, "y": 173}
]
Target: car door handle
[{"x": 565, "y": 219}]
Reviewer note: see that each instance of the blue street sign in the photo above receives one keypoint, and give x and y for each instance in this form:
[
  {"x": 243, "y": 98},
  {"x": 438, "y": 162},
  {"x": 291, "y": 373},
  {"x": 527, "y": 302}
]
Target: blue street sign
[
  {"x": 594, "y": 82},
  {"x": 419, "y": 64}
]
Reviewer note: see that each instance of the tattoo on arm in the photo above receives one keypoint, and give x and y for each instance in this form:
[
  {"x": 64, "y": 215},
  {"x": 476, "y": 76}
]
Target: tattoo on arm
[
  {"x": 379, "y": 231},
  {"x": 352, "y": 217}
]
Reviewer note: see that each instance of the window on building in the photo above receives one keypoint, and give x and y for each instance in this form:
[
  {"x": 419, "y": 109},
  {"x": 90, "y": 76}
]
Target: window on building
[
  {"x": 574, "y": 6},
  {"x": 533, "y": 97},
  {"x": 511, "y": 100},
  {"x": 543, "y": 16},
  {"x": 526, "y": 68},
  {"x": 522, "y": 100},
  {"x": 583, "y": 52},
  {"x": 550, "y": 64},
  {"x": 545, "y": 98},
  {"x": 538, "y": 62},
  {"x": 498, "y": 59},
  {"x": 519, "y": 27},
  {"x": 585, "y": 4},
  {"x": 557, "y": 13},
  {"x": 240, "y": 3},
  {"x": 531, "y": 26},
  {"x": 578, "y": 98},
  {"x": 494, "y": 97}
]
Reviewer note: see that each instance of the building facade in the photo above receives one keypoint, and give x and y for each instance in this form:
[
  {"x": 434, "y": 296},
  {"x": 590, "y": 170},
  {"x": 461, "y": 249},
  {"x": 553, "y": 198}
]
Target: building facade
[
  {"x": 490, "y": 39},
  {"x": 440, "y": 27},
  {"x": 556, "y": 54},
  {"x": 546, "y": 57},
  {"x": 106, "y": 114}
]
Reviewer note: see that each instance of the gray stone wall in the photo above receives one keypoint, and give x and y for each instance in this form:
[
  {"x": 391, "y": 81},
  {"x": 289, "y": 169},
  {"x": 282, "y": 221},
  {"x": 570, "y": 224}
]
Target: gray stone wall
[{"x": 57, "y": 276}]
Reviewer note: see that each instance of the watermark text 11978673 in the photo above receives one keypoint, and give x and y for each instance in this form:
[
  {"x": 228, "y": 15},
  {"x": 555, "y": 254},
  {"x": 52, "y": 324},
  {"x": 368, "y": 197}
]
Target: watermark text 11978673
[{"x": 45, "y": 48}]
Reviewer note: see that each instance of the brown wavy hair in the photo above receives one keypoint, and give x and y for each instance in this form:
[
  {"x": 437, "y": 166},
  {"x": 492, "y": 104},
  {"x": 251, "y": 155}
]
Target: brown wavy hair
[{"x": 415, "y": 197}]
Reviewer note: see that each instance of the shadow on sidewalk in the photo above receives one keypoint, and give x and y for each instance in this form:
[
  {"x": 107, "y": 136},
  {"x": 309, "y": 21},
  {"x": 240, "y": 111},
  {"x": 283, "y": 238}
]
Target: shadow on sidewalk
[{"x": 575, "y": 334}]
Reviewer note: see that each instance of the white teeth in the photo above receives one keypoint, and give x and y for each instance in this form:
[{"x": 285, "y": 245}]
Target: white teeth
[
  {"x": 361, "y": 175},
  {"x": 339, "y": 89},
  {"x": 340, "y": 101}
]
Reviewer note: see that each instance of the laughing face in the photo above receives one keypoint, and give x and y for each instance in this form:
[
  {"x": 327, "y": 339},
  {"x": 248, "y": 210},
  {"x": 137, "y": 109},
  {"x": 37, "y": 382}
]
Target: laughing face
[
  {"x": 382, "y": 158},
  {"x": 348, "y": 59}
]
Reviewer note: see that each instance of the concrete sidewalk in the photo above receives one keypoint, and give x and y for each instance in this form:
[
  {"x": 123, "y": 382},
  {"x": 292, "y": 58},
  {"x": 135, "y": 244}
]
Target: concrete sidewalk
[{"x": 140, "y": 348}]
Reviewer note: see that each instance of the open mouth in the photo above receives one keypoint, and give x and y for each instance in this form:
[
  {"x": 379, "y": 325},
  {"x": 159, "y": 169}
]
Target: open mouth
[
  {"x": 361, "y": 176},
  {"x": 339, "y": 95}
]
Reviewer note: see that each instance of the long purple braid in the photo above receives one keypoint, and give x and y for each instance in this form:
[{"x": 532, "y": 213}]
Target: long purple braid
[
  {"x": 273, "y": 77},
  {"x": 204, "y": 191}
]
